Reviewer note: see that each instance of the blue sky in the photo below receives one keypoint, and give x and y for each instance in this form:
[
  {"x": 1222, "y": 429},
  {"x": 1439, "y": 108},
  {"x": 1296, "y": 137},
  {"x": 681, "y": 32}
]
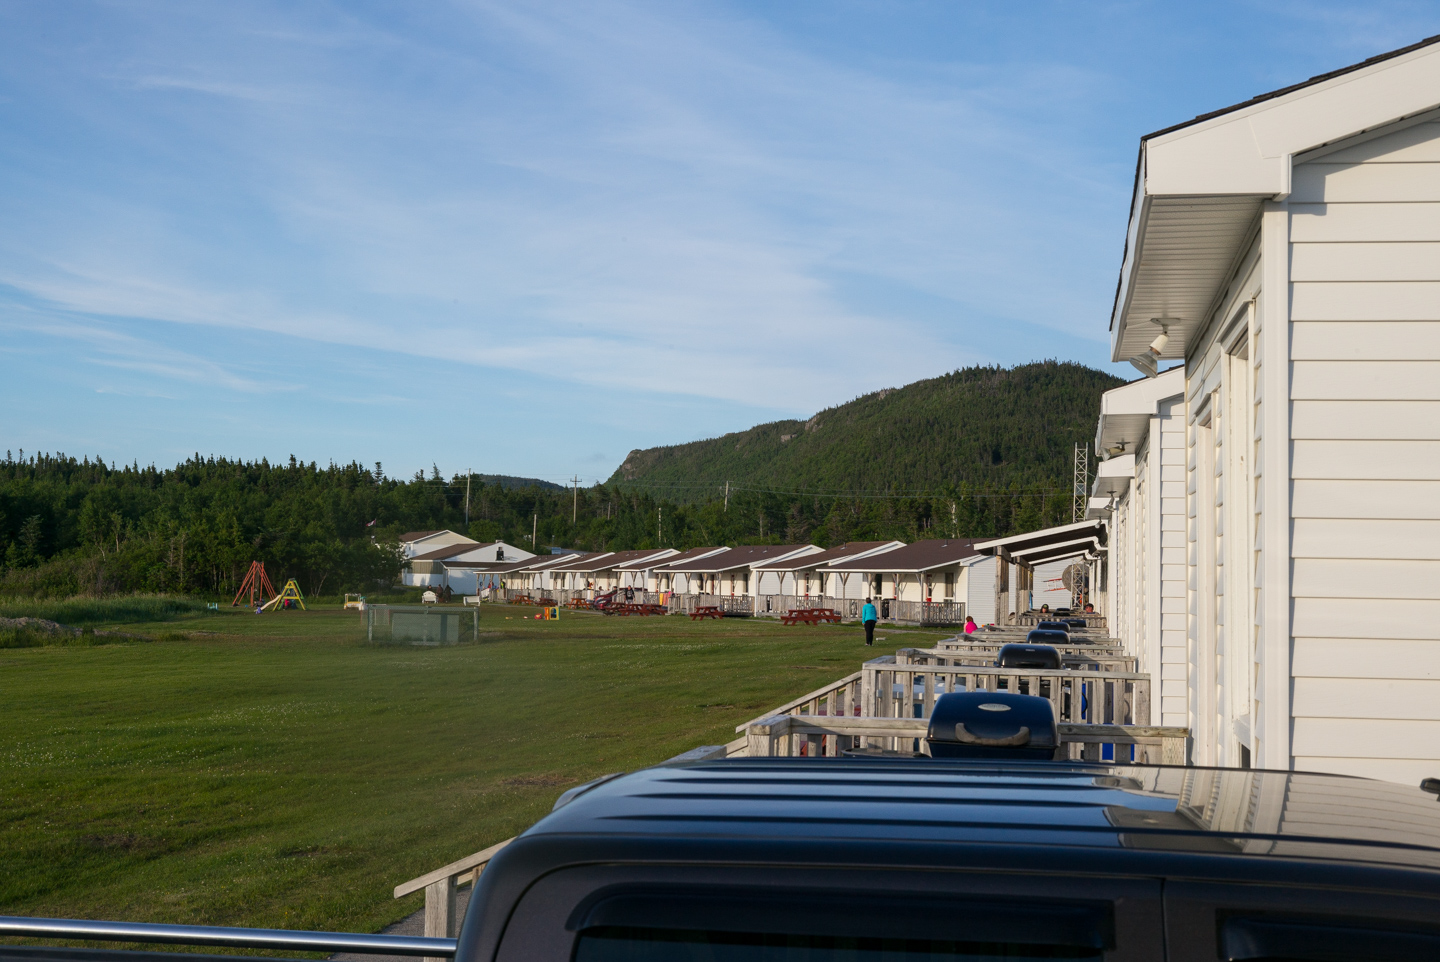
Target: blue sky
[{"x": 526, "y": 238}]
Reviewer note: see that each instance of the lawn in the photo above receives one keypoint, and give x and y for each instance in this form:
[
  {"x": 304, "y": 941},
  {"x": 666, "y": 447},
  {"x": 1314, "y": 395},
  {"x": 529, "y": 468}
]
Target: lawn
[{"x": 277, "y": 770}]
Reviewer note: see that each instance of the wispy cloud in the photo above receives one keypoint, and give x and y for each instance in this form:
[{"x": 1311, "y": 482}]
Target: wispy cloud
[
  {"x": 108, "y": 347},
  {"x": 757, "y": 208},
  {"x": 607, "y": 194}
]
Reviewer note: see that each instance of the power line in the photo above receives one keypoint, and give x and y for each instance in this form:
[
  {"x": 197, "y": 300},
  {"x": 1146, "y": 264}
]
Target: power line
[
  {"x": 822, "y": 493},
  {"x": 856, "y": 494}
]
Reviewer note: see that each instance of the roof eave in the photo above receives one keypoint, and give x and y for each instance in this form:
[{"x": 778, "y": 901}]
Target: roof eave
[{"x": 1245, "y": 154}]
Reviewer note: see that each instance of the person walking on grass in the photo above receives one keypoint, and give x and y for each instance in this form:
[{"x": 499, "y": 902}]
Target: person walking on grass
[{"x": 869, "y": 616}]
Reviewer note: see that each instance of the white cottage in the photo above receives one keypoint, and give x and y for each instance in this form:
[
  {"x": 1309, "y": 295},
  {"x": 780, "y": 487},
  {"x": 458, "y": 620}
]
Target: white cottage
[
  {"x": 536, "y": 577},
  {"x": 1028, "y": 569},
  {"x": 812, "y": 575},
  {"x": 726, "y": 571},
  {"x": 457, "y": 564},
  {"x": 937, "y": 580},
  {"x": 1140, "y": 489},
  {"x": 1287, "y": 249}
]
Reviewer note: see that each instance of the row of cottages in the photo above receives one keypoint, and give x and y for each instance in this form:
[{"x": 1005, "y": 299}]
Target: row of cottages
[
  {"x": 786, "y": 583},
  {"x": 1274, "y": 503},
  {"x": 724, "y": 576},
  {"x": 603, "y": 571},
  {"x": 939, "y": 581}
]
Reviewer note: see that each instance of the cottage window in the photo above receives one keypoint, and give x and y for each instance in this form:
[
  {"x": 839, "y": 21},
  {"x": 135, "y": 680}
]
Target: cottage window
[{"x": 949, "y": 585}]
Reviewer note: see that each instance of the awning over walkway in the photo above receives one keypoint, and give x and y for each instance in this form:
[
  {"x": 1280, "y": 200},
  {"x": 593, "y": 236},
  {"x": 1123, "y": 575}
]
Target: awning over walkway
[{"x": 1048, "y": 544}]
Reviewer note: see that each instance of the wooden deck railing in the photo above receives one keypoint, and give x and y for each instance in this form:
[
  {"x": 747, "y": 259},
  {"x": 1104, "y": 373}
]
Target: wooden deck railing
[
  {"x": 1094, "y": 619},
  {"x": 993, "y": 640},
  {"x": 1071, "y": 656},
  {"x": 1004, "y": 633},
  {"x": 775, "y": 605},
  {"x": 843, "y": 697},
  {"x": 440, "y": 887},
  {"x": 815, "y": 736},
  {"x": 891, "y": 690},
  {"x": 730, "y": 604}
]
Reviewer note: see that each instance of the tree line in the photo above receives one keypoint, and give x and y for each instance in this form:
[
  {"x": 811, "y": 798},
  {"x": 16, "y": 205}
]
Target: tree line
[{"x": 73, "y": 526}]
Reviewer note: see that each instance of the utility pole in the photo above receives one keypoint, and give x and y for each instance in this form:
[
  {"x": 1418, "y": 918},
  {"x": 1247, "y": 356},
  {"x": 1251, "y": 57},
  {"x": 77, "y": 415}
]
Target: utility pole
[
  {"x": 468, "y": 472},
  {"x": 658, "y": 513},
  {"x": 575, "y": 503},
  {"x": 1082, "y": 483},
  {"x": 727, "y": 497},
  {"x": 534, "y": 523}
]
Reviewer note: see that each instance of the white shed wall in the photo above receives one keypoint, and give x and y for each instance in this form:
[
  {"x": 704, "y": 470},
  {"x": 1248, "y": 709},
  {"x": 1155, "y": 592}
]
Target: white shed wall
[{"x": 980, "y": 590}]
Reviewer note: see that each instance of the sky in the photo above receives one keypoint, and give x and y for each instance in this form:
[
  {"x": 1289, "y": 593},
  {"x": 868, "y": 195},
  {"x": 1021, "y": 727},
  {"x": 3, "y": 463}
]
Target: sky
[{"x": 526, "y": 238}]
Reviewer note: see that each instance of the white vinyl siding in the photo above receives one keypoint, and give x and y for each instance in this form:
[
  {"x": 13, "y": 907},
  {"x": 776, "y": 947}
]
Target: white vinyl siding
[
  {"x": 1222, "y": 512},
  {"x": 1174, "y": 588},
  {"x": 1365, "y": 471},
  {"x": 979, "y": 593}
]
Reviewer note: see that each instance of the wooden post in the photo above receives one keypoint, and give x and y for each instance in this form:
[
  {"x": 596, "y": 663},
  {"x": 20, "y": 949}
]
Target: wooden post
[
  {"x": 440, "y": 912},
  {"x": 760, "y": 737}
]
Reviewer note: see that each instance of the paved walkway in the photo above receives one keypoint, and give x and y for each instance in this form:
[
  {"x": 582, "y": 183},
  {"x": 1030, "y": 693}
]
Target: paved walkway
[{"x": 410, "y": 925}]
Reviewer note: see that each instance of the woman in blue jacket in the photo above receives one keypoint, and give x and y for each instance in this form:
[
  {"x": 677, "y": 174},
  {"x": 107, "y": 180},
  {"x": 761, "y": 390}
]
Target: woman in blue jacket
[{"x": 869, "y": 615}]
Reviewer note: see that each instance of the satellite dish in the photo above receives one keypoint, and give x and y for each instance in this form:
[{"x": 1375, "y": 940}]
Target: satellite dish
[{"x": 1072, "y": 575}]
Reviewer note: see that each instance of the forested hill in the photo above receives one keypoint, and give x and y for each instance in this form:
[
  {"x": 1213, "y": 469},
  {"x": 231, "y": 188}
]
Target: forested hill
[
  {"x": 981, "y": 452},
  {"x": 981, "y": 428}
]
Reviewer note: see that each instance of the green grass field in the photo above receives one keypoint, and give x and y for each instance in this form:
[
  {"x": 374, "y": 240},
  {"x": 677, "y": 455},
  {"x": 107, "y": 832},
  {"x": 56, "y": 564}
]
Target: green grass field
[{"x": 276, "y": 770}]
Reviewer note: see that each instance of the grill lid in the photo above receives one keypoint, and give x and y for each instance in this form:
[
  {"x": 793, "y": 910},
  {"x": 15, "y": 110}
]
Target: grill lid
[
  {"x": 1047, "y": 636},
  {"x": 993, "y": 719},
  {"x": 1027, "y": 656}
]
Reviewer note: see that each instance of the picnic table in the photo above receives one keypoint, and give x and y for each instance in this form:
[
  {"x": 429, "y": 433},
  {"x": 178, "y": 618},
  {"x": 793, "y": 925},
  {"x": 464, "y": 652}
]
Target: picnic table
[
  {"x": 706, "y": 611},
  {"x": 633, "y": 608},
  {"x": 810, "y": 616}
]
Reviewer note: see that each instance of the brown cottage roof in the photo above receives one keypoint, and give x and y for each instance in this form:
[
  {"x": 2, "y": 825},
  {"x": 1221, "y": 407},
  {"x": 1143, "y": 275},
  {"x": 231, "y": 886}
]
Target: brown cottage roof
[
  {"x": 541, "y": 561},
  {"x": 731, "y": 558},
  {"x": 690, "y": 555},
  {"x": 821, "y": 559},
  {"x": 586, "y": 562},
  {"x": 616, "y": 559},
  {"x": 419, "y": 535},
  {"x": 920, "y": 556},
  {"x": 650, "y": 558},
  {"x": 449, "y": 551}
]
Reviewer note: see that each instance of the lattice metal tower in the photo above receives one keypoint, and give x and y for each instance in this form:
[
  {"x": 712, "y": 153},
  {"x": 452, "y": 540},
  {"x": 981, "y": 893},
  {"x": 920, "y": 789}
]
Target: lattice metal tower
[{"x": 1082, "y": 483}]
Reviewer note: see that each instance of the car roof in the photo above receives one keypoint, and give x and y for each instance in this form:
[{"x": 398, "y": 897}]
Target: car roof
[{"x": 1235, "y": 814}]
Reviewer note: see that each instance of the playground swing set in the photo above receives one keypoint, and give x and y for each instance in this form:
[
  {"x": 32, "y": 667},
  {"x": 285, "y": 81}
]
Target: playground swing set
[{"x": 257, "y": 583}]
